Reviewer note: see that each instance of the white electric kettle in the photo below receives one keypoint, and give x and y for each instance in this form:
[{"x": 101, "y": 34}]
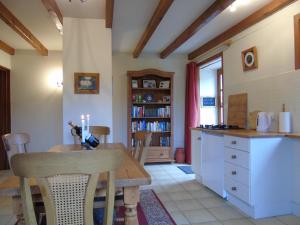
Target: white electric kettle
[{"x": 264, "y": 121}]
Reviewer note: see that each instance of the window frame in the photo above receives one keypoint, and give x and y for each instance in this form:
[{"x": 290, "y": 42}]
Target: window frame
[{"x": 297, "y": 40}]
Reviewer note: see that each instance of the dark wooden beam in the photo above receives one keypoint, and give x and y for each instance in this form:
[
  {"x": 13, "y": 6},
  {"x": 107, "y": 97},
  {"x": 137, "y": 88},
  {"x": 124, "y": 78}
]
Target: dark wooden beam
[
  {"x": 109, "y": 13},
  {"x": 18, "y": 27},
  {"x": 210, "y": 13},
  {"x": 156, "y": 18},
  {"x": 254, "y": 18},
  {"x": 297, "y": 41},
  {"x": 51, "y": 6},
  {"x": 5, "y": 47}
]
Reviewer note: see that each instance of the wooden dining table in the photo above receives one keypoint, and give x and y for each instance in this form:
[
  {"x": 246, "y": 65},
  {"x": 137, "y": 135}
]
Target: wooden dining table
[{"x": 130, "y": 176}]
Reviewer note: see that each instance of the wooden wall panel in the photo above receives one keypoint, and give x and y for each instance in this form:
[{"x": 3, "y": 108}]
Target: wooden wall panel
[{"x": 297, "y": 41}]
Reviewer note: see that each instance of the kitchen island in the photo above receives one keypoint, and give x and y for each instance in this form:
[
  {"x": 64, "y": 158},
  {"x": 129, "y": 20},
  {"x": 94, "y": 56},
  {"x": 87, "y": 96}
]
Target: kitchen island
[{"x": 253, "y": 170}]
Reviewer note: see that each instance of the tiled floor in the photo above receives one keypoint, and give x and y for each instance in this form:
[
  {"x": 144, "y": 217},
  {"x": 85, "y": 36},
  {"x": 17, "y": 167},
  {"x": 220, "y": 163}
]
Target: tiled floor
[{"x": 188, "y": 202}]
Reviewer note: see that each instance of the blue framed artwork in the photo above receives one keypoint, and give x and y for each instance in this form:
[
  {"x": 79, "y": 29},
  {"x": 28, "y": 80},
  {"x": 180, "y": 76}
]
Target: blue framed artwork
[{"x": 208, "y": 102}]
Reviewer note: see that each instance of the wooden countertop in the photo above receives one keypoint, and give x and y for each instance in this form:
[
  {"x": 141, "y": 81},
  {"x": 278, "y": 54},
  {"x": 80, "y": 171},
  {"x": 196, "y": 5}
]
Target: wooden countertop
[
  {"x": 295, "y": 135},
  {"x": 244, "y": 133}
]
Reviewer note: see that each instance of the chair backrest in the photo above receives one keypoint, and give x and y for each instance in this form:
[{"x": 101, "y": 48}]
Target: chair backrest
[
  {"x": 142, "y": 143},
  {"x": 100, "y": 132},
  {"x": 15, "y": 143},
  {"x": 67, "y": 181}
]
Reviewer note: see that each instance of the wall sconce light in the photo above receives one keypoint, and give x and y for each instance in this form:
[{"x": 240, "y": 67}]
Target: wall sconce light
[
  {"x": 55, "y": 78},
  {"x": 60, "y": 84}
]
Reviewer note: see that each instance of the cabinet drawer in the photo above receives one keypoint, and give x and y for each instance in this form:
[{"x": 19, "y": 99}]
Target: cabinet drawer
[
  {"x": 237, "y": 157},
  {"x": 158, "y": 153},
  {"x": 237, "y": 173},
  {"x": 237, "y": 143},
  {"x": 237, "y": 189}
]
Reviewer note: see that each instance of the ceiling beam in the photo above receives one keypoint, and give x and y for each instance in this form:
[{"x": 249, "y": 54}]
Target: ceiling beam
[
  {"x": 156, "y": 18},
  {"x": 19, "y": 28},
  {"x": 52, "y": 7},
  {"x": 208, "y": 15},
  {"x": 6, "y": 48},
  {"x": 109, "y": 13},
  {"x": 254, "y": 18}
]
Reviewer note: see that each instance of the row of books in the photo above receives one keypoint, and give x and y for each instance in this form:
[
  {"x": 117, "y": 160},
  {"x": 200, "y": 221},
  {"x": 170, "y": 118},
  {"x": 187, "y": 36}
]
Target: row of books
[
  {"x": 155, "y": 126},
  {"x": 139, "y": 112},
  {"x": 164, "y": 141}
]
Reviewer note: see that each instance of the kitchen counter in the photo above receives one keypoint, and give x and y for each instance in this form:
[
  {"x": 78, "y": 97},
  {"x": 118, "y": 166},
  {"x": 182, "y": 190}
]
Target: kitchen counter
[{"x": 247, "y": 133}]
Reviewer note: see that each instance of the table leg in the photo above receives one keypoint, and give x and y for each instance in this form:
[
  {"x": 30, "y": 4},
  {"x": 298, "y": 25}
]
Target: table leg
[
  {"x": 131, "y": 198},
  {"x": 18, "y": 210}
]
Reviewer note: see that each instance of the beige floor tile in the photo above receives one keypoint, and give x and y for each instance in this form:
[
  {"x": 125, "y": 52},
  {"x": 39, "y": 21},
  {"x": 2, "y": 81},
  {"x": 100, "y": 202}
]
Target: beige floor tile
[
  {"x": 212, "y": 202},
  {"x": 188, "y": 204},
  {"x": 267, "y": 221},
  {"x": 209, "y": 223},
  {"x": 289, "y": 219},
  {"x": 199, "y": 216},
  {"x": 171, "y": 206},
  {"x": 192, "y": 186},
  {"x": 238, "y": 222},
  {"x": 226, "y": 213},
  {"x": 163, "y": 197},
  {"x": 180, "y": 195},
  {"x": 174, "y": 188},
  {"x": 203, "y": 193},
  {"x": 179, "y": 218}
]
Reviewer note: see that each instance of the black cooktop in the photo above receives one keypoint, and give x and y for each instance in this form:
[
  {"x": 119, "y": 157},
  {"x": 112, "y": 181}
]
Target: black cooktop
[{"x": 219, "y": 127}]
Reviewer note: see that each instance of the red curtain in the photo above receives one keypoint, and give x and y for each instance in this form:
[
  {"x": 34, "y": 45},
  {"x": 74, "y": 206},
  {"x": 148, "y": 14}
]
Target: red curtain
[{"x": 191, "y": 106}]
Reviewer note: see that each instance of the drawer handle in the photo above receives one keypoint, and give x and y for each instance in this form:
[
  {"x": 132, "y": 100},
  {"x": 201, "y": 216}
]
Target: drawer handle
[
  {"x": 233, "y": 142},
  {"x": 233, "y": 172},
  {"x": 233, "y": 156},
  {"x": 199, "y": 138},
  {"x": 233, "y": 188}
]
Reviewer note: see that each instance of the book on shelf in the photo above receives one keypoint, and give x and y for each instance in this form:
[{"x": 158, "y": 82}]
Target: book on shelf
[
  {"x": 164, "y": 141},
  {"x": 155, "y": 126},
  {"x": 142, "y": 111}
]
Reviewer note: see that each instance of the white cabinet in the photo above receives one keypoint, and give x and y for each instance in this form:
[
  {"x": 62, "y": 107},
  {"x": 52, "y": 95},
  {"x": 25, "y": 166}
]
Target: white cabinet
[
  {"x": 257, "y": 175},
  {"x": 196, "y": 153},
  {"x": 213, "y": 162}
]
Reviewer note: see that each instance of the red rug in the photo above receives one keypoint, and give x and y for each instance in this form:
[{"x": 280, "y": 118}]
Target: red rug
[{"x": 150, "y": 211}]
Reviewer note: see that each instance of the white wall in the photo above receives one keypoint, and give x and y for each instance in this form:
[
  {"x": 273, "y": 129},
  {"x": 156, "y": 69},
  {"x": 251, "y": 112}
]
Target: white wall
[
  {"x": 5, "y": 59},
  {"x": 123, "y": 62},
  {"x": 86, "y": 48},
  {"x": 36, "y": 101},
  {"x": 208, "y": 88},
  {"x": 275, "y": 82}
]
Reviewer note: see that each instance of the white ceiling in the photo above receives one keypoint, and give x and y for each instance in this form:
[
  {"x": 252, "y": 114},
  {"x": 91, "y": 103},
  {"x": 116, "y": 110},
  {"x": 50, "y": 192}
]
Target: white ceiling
[{"x": 130, "y": 20}]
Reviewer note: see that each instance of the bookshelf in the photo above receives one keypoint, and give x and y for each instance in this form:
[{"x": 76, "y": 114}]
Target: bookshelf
[{"x": 150, "y": 108}]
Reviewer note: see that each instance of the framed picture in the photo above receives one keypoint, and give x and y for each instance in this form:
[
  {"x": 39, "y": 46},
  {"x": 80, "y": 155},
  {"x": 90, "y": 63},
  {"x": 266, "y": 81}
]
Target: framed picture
[
  {"x": 249, "y": 59},
  {"x": 148, "y": 98},
  {"x": 208, "y": 102},
  {"x": 149, "y": 84},
  {"x": 166, "y": 99},
  {"x": 164, "y": 84},
  {"x": 134, "y": 84},
  {"x": 86, "y": 83}
]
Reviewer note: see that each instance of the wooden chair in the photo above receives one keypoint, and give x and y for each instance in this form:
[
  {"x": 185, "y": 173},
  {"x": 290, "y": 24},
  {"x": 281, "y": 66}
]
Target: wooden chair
[
  {"x": 100, "y": 132},
  {"x": 15, "y": 143},
  {"x": 67, "y": 181},
  {"x": 142, "y": 143}
]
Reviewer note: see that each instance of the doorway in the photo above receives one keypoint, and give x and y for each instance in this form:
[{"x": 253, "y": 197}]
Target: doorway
[
  {"x": 211, "y": 91},
  {"x": 4, "y": 112}
]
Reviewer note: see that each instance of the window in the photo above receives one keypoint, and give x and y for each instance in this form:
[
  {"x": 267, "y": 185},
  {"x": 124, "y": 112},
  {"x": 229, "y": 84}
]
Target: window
[
  {"x": 220, "y": 83},
  {"x": 297, "y": 41}
]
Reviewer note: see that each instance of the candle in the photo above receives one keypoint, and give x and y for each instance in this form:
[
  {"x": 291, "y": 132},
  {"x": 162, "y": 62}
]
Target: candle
[
  {"x": 88, "y": 123},
  {"x": 82, "y": 129}
]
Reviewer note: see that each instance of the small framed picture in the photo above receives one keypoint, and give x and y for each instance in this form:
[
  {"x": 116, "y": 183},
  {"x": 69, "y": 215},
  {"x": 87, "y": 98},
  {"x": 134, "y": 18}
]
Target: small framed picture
[
  {"x": 164, "y": 84},
  {"x": 149, "y": 84},
  {"x": 166, "y": 99},
  {"x": 148, "y": 97},
  {"x": 249, "y": 59},
  {"x": 86, "y": 83},
  {"x": 134, "y": 84}
]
